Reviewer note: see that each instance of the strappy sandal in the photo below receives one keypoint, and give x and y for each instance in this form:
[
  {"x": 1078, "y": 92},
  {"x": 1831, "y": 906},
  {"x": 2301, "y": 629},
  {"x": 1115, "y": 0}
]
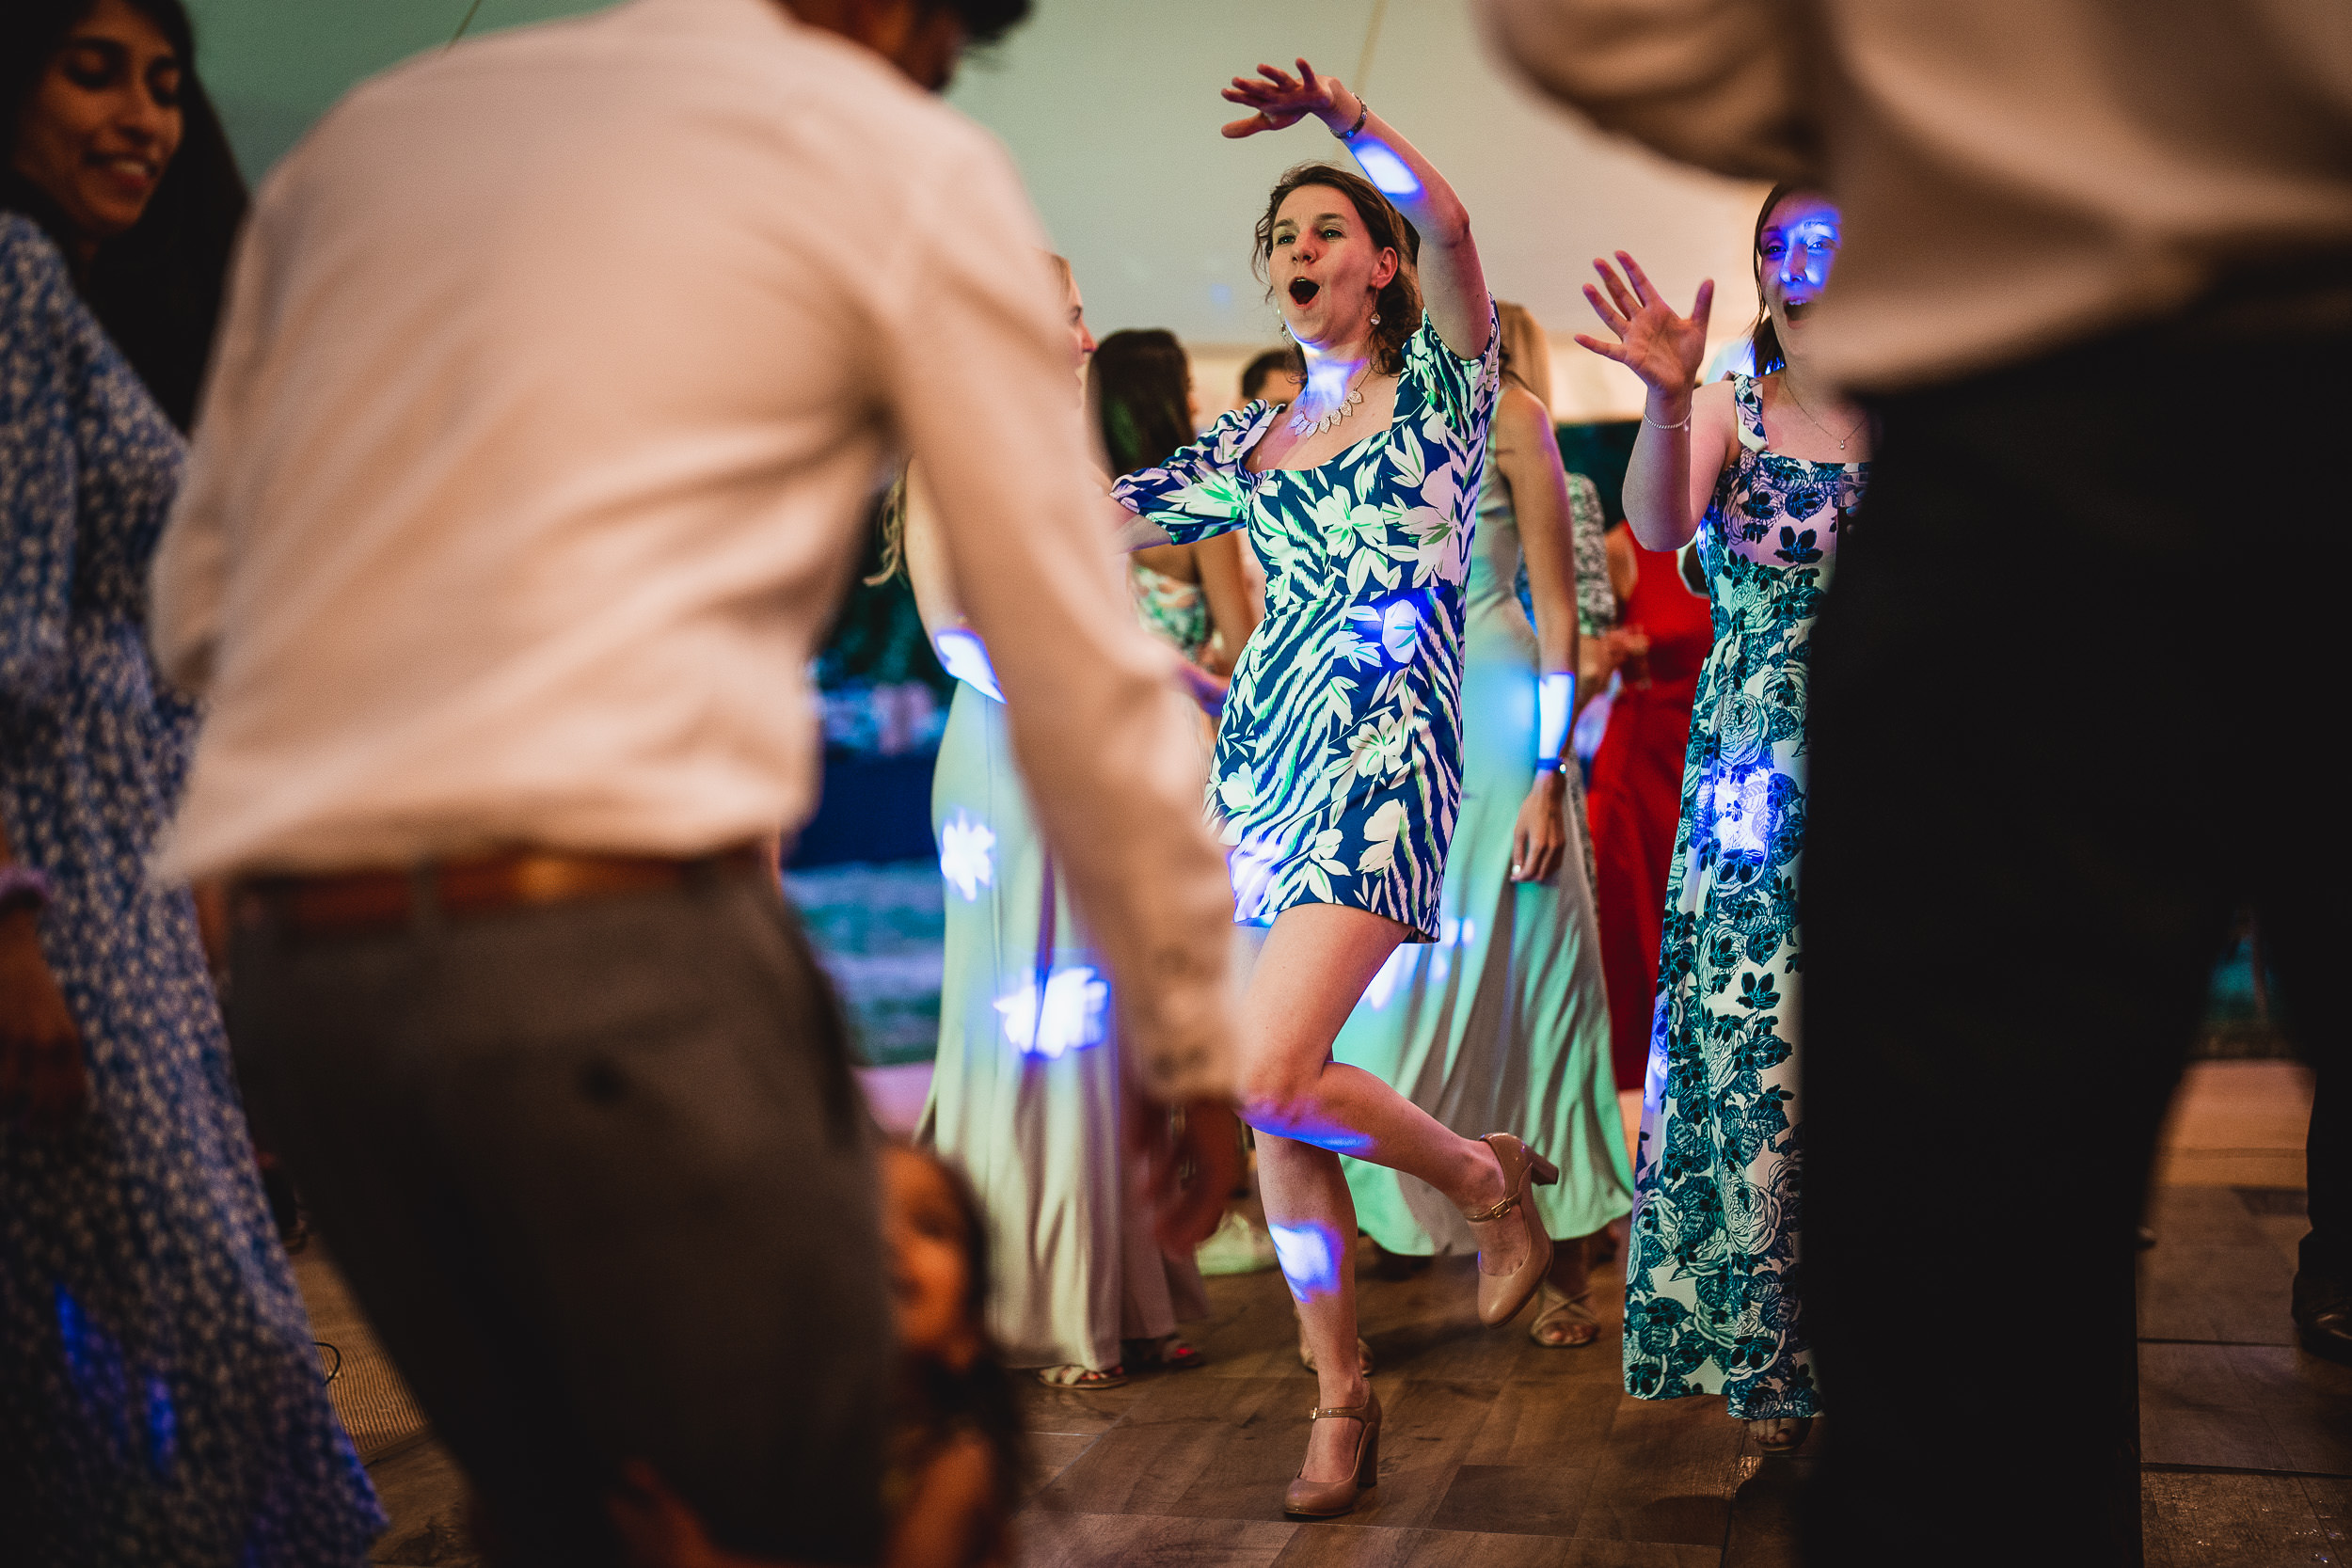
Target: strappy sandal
[
  {"x": 1779, "y": 1435},
  {"x": 1363, "y": 1353},
  {"x": 1169, "y": 1354},
  {"x": 1084, "y": 1379},
  {"x": 1567, "y": 1313}
]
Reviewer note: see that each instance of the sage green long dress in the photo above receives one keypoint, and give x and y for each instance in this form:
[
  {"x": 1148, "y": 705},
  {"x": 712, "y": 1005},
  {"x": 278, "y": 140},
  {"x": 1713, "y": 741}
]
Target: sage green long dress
[
  {"x": 1502, "y": 1023},
  {"x": 1024, "y": 1092}
]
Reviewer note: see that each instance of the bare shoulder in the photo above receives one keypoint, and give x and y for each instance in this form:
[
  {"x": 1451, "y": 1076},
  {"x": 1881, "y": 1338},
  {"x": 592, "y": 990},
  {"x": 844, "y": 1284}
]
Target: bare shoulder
[{"x": 1522, "y": 423}]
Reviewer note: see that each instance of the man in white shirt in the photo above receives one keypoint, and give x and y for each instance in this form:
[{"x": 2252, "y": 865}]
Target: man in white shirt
[
  {"x": 2096, "y": 286},
  {"x": 556, "y": 375}
]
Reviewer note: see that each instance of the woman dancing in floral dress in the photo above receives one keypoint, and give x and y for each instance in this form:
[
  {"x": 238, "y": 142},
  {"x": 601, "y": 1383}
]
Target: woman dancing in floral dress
[
  {"x": 1338, "y": 772},
  {"x": 1763, "y": 470}
]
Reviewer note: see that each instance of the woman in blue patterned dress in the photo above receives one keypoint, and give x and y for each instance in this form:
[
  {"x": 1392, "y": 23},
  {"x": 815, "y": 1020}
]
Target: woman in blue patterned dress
[
  {"x": 1338, "y": 771},
  {"x": 1763, "y": 470},
  {"x": 160, "y": 1401}
]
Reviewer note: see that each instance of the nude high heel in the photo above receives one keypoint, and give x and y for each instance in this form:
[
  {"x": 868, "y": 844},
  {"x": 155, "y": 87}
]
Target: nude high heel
[
  {"x": 1501, "y": 1295},
  {"x": 1329, "y": 1499}
]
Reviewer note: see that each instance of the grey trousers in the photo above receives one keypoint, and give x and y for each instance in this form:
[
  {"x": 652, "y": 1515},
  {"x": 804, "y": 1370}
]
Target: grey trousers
[{"x": 601, "y": 1177}]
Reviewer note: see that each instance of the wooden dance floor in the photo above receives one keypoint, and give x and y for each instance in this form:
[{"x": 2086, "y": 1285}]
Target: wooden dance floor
[{"x": 1498, "y": 1455}]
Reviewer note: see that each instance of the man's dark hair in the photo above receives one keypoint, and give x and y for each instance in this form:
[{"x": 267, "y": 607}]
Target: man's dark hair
[
  {"x": 1273, "y": 362},
  {"x": 985, "y": 21},
  {"x": 156, "y": 288}
]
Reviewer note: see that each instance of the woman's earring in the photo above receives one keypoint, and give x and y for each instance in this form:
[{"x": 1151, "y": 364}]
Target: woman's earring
[{"x": 1375, "y": 318}]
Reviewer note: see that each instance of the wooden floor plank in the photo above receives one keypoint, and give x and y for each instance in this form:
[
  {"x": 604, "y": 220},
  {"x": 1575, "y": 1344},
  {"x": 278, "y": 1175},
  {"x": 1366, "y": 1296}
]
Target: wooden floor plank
[
  {"x": 1096, "y": 1539},
  {"x": 1516, "y": 1500},
  {"x": 2305, "y": 1401},
  {"x": 2196, "y": 1408},
  {"x": 1669, "y": 1474},
  {"x": 1763, "y": 1531},
  {"x": 2230, "y": 1521}
]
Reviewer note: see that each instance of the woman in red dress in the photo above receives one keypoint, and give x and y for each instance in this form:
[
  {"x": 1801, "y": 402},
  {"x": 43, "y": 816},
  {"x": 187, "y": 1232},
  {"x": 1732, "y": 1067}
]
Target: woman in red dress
[{"x": 1662, "y": 635}]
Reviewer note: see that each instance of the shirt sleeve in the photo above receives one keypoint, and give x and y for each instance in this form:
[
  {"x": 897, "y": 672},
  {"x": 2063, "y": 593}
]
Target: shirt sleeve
[
  {"x": 1197, "y": 493},
  {"x": 1462, "y": 392},
  {"x": 1714, "y": 83},
  {"x": 975, "y": 369},
  {"x": 42, "y": 357}
]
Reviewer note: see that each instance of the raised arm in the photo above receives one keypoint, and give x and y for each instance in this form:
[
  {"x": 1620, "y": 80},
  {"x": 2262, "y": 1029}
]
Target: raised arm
[
  {"x": 1685, "y": 434},
  {"x": 1452, "y": 284}
]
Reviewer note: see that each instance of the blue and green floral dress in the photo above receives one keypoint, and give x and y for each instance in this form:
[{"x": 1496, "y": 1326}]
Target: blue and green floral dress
[
  {"x": 1338, "y": 773},
  {"x": 1711, "y": 1289}
]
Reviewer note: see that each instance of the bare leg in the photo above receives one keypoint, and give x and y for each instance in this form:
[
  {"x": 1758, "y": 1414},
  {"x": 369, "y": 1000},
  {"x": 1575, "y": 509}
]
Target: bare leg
[
  {"x": 1310, "y": 968},
  {"x": 1569, "y": 1266}
]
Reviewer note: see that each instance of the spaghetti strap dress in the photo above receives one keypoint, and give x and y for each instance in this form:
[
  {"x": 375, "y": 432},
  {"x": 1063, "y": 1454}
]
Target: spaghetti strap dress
[
  {"x": 1712, "y": 1303},
  {"x": 1338, "y": 773},
  {"x": 1502, "y": 1023}
]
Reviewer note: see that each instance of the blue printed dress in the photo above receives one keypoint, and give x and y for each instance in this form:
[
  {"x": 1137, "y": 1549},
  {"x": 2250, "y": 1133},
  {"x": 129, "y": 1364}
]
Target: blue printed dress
[
  {"x": 1711, "y": 1288},
  {"x": 160, "y": 1399},
  {"x": 1338, "y": 773}
]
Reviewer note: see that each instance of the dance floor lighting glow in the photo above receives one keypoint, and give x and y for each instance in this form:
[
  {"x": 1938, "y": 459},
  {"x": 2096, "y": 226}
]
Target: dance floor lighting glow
[
  {"x": 1310, "y": 1257},
  {"x": 1553, "y": 705},
  {"x": 1251, "y": 864},
  {"x": 1390, "y": 976},
  {"x": 1385, "y": 169},
  {"x": 1069, "y": 1017},
  {"x": 962, "y": 655},
  {"x": 967, "y": 855},
  {"x": 1395, "y": 626}
]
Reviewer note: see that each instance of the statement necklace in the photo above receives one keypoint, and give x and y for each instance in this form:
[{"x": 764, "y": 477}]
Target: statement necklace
[{"x": 1301, "y": 425}]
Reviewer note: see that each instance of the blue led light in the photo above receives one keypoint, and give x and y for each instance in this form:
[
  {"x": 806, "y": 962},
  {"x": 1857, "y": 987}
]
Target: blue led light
[
  {"x": 962, "y": 655},
  {"x": 1385, "y": 169},
  {"x": 1310, "y": 1255},
  {"x": 968, "y": 856},
  {"x": 1069, "y": 1018}
]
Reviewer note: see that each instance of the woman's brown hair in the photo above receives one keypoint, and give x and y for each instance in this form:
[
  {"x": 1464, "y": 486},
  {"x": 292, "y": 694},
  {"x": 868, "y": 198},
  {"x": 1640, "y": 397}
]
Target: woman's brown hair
[
  {"x": 1399, "y": 304},
  {"x": 1764, "y": 334}
]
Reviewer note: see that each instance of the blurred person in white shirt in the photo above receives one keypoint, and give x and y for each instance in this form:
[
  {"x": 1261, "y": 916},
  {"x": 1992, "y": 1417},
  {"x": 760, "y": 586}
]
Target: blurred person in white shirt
[{"x": 556, "y": 374}]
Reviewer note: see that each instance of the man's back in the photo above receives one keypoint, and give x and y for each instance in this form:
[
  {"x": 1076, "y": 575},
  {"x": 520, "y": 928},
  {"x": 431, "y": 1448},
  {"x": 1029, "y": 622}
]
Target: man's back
[{"x": 555, "y": 378}]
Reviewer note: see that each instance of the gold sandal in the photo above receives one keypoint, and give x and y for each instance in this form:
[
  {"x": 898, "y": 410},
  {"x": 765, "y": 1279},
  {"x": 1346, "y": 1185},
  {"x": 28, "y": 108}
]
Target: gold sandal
[
  {"x": 1552, "y": 1308},
  {"x": 1307, "y": 1354},
  {"x": 1085, "y": 1380}
]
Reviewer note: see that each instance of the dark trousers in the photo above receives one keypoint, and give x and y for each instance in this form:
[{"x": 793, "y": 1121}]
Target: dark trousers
[
  {"x": 599, "y": 1176},
  {"x": 2074, "y": 689}
]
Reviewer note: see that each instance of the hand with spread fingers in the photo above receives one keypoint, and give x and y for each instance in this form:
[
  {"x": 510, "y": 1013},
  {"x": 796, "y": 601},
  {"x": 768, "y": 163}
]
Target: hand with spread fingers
[
  {"x": 1665, "y": 350},
  {"x": 1281, "y": 100}
]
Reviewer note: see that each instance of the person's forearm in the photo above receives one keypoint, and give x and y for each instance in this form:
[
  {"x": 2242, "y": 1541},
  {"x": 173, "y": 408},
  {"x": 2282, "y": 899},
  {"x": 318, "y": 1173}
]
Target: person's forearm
[
  {"x": 1452, "y": 284},
  {"x": 1658, "y": 477}
]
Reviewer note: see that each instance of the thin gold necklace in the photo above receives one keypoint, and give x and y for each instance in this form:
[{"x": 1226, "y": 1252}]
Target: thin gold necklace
[{"x": 1817, "y": 424}]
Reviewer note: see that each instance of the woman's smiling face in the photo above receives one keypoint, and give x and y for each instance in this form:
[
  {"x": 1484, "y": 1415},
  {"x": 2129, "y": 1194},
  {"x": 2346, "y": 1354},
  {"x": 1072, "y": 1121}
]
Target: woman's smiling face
[
  {"x": 105, "y": 122},
  {"x": 1325, "y": 269},
  {"x": 1794, "y": 254}
]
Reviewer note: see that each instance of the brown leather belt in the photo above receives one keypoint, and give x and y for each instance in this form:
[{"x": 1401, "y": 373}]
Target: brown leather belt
[{"x": 349, "y": 903}]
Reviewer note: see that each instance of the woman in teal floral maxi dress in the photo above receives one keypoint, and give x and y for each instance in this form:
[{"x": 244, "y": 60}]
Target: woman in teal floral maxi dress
[
  {"x": 1336, "y": 779},
  {"x": 1769, "y": 468}
]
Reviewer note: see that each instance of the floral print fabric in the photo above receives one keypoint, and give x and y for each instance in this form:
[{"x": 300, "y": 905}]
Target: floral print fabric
[
  {"x": 1711, "y": 1288},
  {"x": 1338, "y": 773},
  {"x": 160, "y": 1401}
]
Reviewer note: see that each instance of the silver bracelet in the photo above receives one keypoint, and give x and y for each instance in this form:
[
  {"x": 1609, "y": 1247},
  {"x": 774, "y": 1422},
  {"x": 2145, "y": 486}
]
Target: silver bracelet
[
  {"x": 1683, "y": 424},
  {"x": 1363, "y": 113}
]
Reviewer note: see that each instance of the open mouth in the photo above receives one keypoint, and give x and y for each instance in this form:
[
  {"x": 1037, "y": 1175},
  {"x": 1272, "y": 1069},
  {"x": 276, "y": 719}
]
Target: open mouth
[
  {"x": 1797, "y": 309},
  {"x": 1303, "y": 289}
]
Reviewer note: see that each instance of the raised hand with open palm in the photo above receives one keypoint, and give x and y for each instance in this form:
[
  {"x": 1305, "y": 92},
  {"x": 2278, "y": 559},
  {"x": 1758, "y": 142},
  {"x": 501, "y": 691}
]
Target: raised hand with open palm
[{"x": 1665, "y": 350}]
